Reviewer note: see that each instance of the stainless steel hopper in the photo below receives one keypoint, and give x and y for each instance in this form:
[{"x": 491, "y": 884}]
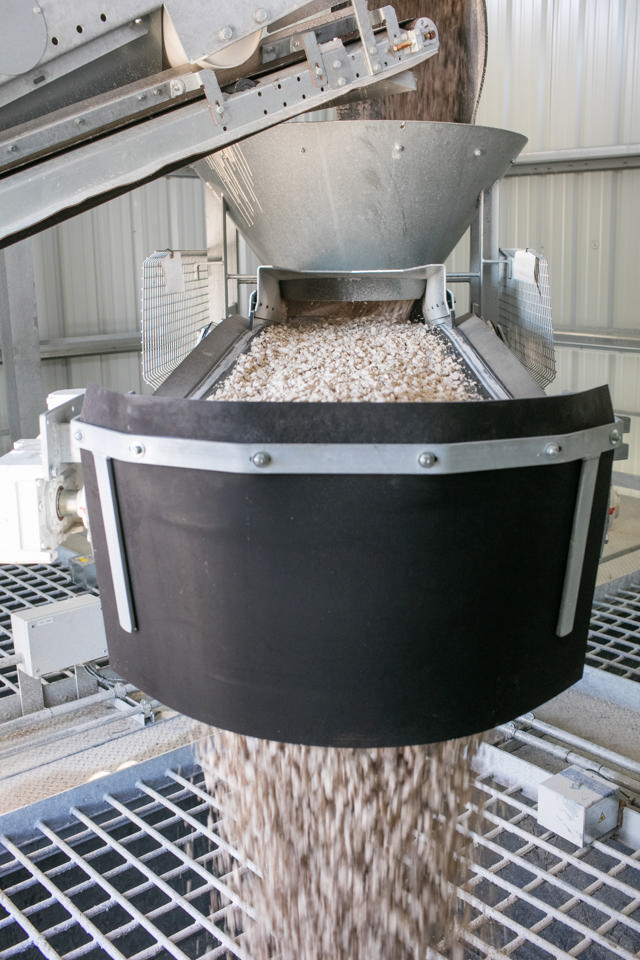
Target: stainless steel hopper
[{"x": 358, "y": 195}]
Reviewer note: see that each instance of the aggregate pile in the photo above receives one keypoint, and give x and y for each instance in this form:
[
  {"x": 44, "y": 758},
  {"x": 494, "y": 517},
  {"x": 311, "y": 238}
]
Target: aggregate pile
[{"x": 374, "y": 359}]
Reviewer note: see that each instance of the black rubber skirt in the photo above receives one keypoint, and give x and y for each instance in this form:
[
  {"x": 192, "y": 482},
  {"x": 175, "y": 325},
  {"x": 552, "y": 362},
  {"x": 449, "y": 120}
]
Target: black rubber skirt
[{"x": 348, "y": 610}]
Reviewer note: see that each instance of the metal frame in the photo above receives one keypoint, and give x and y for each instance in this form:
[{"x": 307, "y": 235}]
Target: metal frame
[
  {"x": 55, "y": 187},
  {"x": 19, "y": 341},
  {"x": 484, "y": 255},
  {"x": 351, "y": 458},
  {"x": 421, "y": 282},
  {"x": 625, "y": 156}
]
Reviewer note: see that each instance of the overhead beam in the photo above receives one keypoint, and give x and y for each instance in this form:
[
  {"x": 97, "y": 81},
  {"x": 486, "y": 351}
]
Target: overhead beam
[
  {"x": 579, "y": 160},
  {"x": 622, "y": 341},
  {"x": 20, "y": 340}
]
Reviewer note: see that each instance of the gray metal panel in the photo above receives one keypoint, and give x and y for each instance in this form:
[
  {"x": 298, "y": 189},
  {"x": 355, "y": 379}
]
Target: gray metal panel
[
  {"x": 88, "y": 280},
  {"x": 358, "y": 195},
  {"x": 568, "y": 76}
]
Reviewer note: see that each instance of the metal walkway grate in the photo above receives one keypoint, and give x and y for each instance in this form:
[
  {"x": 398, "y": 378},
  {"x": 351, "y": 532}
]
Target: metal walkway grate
[
  {"x": 614, "y": 635},
  {"x": 536, "y": 896},
  {"x": 22, "y": 587},
  {"x": 138, "y": 873}
]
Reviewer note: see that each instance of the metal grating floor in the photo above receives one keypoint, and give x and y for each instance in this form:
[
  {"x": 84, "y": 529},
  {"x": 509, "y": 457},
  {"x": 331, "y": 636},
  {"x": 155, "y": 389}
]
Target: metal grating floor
[
  {"x": 535, "y": 896},
  {"x": 614, "y": 636},
  {"x": 22, "y": 587},
  {"x": 137, "y": 874}
]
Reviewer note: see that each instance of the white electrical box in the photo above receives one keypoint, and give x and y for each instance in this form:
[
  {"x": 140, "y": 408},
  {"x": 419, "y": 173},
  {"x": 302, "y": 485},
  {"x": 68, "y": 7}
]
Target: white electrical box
[
  {"x": 59, "y": 635},
  {"x": 24, "y": 537},
  {"x": 577, "y": 805}
]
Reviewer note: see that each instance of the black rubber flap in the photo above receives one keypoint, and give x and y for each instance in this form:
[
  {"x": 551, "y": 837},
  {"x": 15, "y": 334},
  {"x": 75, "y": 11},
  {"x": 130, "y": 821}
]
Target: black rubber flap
[{"x": 349, "y": 610}]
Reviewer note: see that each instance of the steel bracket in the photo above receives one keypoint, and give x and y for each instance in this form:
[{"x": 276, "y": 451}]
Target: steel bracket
[
  {"x": 214, "y": 96},
  {"x": 58, "y": 446}
]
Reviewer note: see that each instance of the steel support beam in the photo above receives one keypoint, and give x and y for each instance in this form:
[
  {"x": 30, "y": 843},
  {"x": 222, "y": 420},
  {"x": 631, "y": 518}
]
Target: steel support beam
[
  {"x": 621, "y": 341},
  {"x": 20, "y": 341},
  {"x": 102, "y": 344},
  {"x": 579, "y": 160},
  {"x": 90, "y": 346}
]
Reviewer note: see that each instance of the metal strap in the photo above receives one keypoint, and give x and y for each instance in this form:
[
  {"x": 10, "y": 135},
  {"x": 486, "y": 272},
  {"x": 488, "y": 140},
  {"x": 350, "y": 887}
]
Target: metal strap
[
  {"x": 349, "y": 458},
  {"x": 577, "y": 546},
  {"x": 115, "y": 544}
]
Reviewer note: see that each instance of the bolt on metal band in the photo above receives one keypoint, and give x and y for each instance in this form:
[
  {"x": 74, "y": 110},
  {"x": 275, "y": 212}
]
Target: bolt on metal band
[{"x": 351, "y": 458}]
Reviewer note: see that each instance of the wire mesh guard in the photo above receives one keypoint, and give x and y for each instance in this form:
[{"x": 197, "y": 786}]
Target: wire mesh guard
[
  {"x": 175, "y": 310},
  {"x": 524, "y": 317},
  {"x": 22, "y": 587},
  {"x": 141, "y": 876},
  {"x": 614, "y": 635}
]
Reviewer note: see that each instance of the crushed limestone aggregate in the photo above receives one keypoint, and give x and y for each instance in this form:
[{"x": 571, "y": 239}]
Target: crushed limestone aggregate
[{"x": 361, "y": 359}]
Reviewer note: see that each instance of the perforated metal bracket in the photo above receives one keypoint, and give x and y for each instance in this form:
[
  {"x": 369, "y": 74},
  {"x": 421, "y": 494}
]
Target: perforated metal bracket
[
  {"x": 435, "y": 305},
  {"x": 58, "y": 446}
]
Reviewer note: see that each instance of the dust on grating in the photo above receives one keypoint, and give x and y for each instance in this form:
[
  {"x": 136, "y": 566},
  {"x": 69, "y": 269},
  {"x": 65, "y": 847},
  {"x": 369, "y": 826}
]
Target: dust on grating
[
  {"x": 359, "y": 849},
  {"x": 359, "y": 359}
]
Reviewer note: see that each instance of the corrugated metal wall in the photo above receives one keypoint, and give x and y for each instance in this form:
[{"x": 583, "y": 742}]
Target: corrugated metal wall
[
  {"x": 88, "y": 277},
  {"x": 88, "y": 273},
  {"x": 566, "y": 73}
]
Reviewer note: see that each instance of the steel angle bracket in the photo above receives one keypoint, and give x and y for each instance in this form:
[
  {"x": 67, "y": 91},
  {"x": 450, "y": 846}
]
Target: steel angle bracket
[
  {"x": 58, "y": 446},
  {"x": 580, "y": 527}
]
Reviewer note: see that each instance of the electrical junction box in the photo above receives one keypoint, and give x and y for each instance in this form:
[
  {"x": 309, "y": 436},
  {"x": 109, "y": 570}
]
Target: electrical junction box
[
  {"x": 24, "y": 537},
  {"x": 577, "y": 805},
  {"x": 59, "y": 635}
]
